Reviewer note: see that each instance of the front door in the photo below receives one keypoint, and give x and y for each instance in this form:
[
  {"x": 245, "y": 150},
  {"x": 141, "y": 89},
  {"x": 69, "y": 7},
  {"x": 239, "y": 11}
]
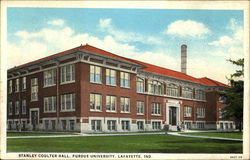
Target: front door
[
  {"x": 34, "y": 119},
  {"x": 172, "y": 115}
]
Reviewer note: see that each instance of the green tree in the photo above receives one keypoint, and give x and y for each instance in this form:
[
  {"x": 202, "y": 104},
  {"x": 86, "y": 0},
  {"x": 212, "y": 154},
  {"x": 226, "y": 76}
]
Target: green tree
[{"x": 234, "y": 95}]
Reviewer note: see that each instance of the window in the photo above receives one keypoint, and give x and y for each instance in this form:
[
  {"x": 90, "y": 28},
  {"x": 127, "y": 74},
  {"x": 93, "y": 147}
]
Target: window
[
  {"x": 124, "y": 79},
  {"x": 110, "y": 103},
  {"x": 23, "y": 106},
  {"x": 200, "y": 112},
  {"x": 10, "y": 108},
  {"x": 125, "y": 125},
  {"x": 140, "y": 125},
  {"x": 111, "y": 125},
  {"x": 23, "y": 83},
  {"x": 71, "y": 125},
  {"x": 155, "y": 87},
  {"x": 17, "y": 108},
  {"x": 10, "y": 86},
  {"x": 156, "y": 110},
  {"x": 110, "y": 77},
  {"x": 125, "y": 105},
  {"x": 50, "y": 104},
  {"x": 156, "y": 125},
  {"x": 46, "y": 124},
  {"x": 187, "y": 111},
  {"x": 64, "y": 124},
  {"x": 67, "y": 73},
  {"x": 95, "y": 102},
  {"x": 200, "y": 125},
  {"x": 96, "y": 125},
  {"x": 172, "y": 90},
  {"x": 34, "y": 89},
  {"x": 188, "y": 125},
  {"x": 68, "y": 102},
  {"x": 187, "y": 92},
  {"x": 53, "y": 124},
  {"x": 140, "y": 107},
  {"x": 49, "y": 77},
  {"x": 200, "y": 94},
  {"x": 220, "y": 113},
  {"x": 17, "y": 85},
  {"x": 140, "y": 85},
  {"x": 95, "y": 74}
]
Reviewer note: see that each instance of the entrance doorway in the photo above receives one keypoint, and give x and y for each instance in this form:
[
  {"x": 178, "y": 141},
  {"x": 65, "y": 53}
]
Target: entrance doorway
[
  {"x": 172, "y": 116},
  {"x": 34, "y": 119}
]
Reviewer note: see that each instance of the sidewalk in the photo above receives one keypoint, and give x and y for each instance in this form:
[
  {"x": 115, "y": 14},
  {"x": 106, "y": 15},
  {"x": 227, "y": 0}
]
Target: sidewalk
[
  {"x": 207, "y": 137},
  {"x": 89, "y": 135}
]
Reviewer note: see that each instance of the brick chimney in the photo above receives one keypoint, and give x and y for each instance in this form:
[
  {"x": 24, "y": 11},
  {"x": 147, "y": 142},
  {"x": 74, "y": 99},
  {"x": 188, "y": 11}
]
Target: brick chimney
[{"x": 184, "y": 59}]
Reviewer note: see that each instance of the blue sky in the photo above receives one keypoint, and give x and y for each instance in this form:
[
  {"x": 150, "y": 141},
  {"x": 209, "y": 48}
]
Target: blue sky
[{"x": 151, "y": 35}]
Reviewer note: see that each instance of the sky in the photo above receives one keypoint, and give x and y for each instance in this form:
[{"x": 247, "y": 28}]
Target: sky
[{"x": 149, "y": 35}]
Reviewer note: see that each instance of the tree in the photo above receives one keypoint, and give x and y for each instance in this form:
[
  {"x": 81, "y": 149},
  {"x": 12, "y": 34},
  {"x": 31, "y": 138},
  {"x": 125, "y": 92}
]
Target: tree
[{"x": 234, "y": 95}]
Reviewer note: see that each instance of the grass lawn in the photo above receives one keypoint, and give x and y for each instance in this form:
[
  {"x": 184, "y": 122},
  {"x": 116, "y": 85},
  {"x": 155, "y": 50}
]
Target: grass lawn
[
  {"x": 129, "y": 144},
  {"x": 234, "y": 135},
  {"x": 10, "y": 134}
]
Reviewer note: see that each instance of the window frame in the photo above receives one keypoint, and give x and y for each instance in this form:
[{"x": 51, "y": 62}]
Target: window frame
[
  {"x": 110, "y": 100},
  {"x": 65, "y": 100},
  {"x": 201, "y": 112},
  {"x": 172, "y": 90},
  {"x": 24, "y": 84},
  {"x": 187, "y": 111},
  {"x": 34, "y": 89},
  {"x": 139, "y": 107},
  {"x": 125, "y": 125},
  {"x": 17, "y": 108},
  {"x": 10, "y": 86},
  {"x": 93, "y": 73},
  {"x": 24, "y": 107},
  {"x": 109, "y": 73},
  {"x": 53, "y": 101},
  {"x": 124, "y": 83},
  {"x": 186, "y": 92},
  {"x": 94, "y": 96},
  {"x": 125, "y": 107},
  {"x": 140, "y": 85},
  {"x": 17, "y": 85},
  {"x": 10, "y": 108},
  {"x": 65, "y": 74},
  {"x": 51, "y": 75},
  {"x": 156, "y": 109},
  {"x": 111, "y": 126}
]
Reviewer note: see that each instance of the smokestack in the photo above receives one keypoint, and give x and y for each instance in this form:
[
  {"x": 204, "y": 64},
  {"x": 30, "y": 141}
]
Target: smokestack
[{"x": 184, "y": 59}]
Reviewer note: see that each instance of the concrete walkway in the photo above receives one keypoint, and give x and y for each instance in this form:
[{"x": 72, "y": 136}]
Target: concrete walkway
[
  {"x": 196, "y": 136},
  {"x": 89, "y": 135}
]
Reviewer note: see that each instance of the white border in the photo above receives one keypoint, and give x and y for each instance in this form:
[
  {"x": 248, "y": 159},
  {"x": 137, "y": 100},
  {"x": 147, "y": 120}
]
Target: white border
[{"x": 242, "y": 5}]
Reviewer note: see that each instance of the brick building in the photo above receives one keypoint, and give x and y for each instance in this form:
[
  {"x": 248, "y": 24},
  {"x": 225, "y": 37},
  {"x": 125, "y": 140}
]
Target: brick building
[{"x": 86, "y": 89}]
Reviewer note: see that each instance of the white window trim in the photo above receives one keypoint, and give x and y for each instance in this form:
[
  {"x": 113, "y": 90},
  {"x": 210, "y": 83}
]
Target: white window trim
[
  {"x": 153, "y": 114},
  {"x": 114, "y": 85},
  {"x": 52, "y": 102},
  {"x": 67, "y": 110},
  {"x": 96, "y": 110},
  {"x": 70, "y": 81},
  {"x": 128, "y": 105},
  {"x": 95, "y": 73}
]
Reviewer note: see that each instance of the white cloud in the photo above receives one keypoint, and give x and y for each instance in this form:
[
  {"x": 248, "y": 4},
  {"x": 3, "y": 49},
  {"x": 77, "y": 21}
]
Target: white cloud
[
  {"x": 56, "y": 22},
  {"x": 223, "y": 40},
  {"x": 187, "y": 28},
  {"x": 125, "y": 36},
  {"x": 236, "y": 38}
]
